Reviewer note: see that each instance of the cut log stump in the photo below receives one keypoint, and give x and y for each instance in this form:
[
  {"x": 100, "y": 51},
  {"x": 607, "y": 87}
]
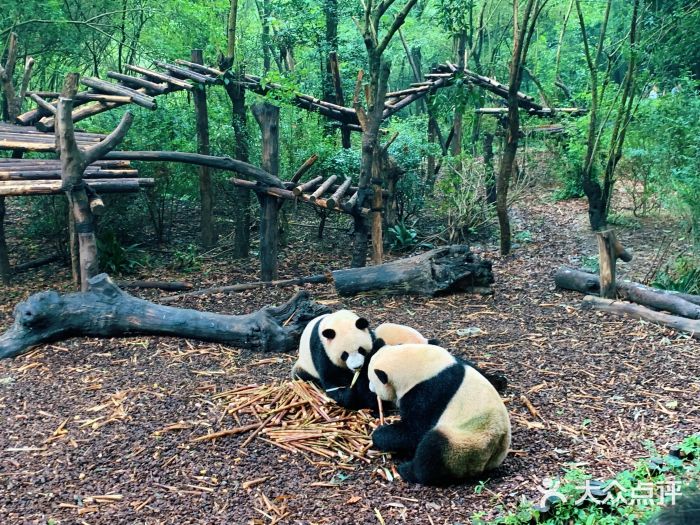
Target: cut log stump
[
  {"x": 442, "y": 271},
  {"x": 104, "y": 310}
]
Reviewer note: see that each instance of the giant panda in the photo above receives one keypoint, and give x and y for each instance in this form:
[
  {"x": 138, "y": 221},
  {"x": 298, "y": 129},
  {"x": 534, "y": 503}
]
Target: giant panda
[
  {"x": 453, "y": 426},
  {"x": 398, "y": 334},
  {"x": 332, "y": 347}
]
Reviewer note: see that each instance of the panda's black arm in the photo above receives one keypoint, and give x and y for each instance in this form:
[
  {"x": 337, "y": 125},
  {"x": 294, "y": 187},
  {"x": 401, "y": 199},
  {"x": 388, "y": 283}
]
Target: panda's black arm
[{"x": 396, "y": 437}]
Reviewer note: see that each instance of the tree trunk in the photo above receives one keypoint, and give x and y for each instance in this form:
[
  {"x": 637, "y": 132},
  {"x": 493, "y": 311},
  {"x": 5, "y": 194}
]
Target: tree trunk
[
  {"x": 460, "y": 47},
  {"x": 488, "y": 166},
  {"x": 106, "y": 311},
  {"x": 267, "y": 117},
  {"x": 5, "y": 268},
  {"x": 206, "y": 217},
  {"x": 446, "y": 270}
]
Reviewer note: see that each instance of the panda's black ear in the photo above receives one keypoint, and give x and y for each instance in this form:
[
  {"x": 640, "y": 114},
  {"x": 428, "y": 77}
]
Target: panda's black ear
[
  {"x": 362, "y": 323},
  {"x": 378, "y": 343},
  {"x": 381, "y": 375},
  {"x": 328, "y": 333}
]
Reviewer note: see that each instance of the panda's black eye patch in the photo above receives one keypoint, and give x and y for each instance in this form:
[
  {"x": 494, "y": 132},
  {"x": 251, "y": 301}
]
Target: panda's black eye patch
[
  {"x": 362, "y": 351},
  {"x": 381, "y": 375},
  {"x": 344, "y": 356},
  {"x": 361, "y": 323},
  {"x": 328, "y": 333}
]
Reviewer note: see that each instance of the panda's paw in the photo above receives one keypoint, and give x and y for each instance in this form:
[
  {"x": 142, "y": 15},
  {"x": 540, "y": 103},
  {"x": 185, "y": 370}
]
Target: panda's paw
[
  {"x": 406, "y": 471},
  {"x": 384, "y": 438}
]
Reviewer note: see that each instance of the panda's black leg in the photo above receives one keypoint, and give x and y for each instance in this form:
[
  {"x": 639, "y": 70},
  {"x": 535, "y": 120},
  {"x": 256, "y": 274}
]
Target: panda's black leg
[
  {"x": 428, "y": 466},
  {"x": 395, "y": 437}
]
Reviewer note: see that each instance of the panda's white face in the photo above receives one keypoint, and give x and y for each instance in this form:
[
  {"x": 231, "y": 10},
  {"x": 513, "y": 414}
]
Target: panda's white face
[{"x": 346, "y": 339}]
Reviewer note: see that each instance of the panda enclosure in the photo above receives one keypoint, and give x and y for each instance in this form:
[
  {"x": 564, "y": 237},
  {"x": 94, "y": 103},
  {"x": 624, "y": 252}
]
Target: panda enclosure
[{"x": 120, "y": 430}]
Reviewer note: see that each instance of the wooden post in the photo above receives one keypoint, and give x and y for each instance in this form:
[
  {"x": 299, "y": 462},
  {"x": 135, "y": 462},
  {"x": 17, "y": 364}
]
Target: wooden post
[
  {"x": 206, "y": 221},
  {"x": 268, "y": 117},
  {"x": 73, "y": 164},
  {"x": 609, "y": 250}
]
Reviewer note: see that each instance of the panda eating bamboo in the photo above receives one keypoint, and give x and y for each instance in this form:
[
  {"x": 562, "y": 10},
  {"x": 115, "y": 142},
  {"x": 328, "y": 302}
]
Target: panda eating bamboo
[{"x": 454, "y": 425}]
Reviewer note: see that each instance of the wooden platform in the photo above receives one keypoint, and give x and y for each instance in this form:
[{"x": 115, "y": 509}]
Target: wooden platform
[
  {"x": 23, "y": 138},
  {"x": 43, "y": 177},
  {"x": 140, "y": 88}
]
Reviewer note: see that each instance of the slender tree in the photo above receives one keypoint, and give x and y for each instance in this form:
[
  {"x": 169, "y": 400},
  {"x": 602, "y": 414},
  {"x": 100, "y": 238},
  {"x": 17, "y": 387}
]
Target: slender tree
[
  {"x": 236, "y": 93},
  {"x": 371, "y": 117},
  {"x": 523, "y": 29},
  {"x": 599, "y": 195}
]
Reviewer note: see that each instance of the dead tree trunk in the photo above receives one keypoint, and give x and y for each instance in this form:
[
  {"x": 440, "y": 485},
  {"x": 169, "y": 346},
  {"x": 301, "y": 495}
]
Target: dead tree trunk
[
  {"x": 73, "y": 164},
  {"x": 268, "y": 117},
  {"x": 103, "y": 310},
  {"x": 206, "y": 221},
  {"x": 442, "y": 271}
]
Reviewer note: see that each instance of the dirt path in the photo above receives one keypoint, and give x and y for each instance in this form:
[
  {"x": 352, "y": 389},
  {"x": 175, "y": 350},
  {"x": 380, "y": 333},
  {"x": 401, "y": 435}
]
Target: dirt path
[{"x": 80, "y": 417}]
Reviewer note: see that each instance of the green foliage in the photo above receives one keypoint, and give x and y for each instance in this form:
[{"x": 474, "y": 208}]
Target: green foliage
[
  {"x": 115, "y": 258},
  {"x": 462, "y": 197},
  {"x": 47, "y": 221},
  {"x": 610, "y": 502},
  {"x": 682, "y": 275},
  {"x": 402, "y": 237},
  {"x": 187, "y": 260},
  {"x": 665, "y": 147}
]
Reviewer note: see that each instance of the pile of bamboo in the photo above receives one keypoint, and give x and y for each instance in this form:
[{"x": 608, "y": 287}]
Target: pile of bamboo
[{"x": 299, "y": 418}]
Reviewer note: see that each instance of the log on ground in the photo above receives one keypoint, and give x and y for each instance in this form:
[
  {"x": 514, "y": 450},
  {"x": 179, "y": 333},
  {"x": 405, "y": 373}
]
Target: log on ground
[
  {"x": 691, "y": 326},
  {"x": 104, "y": 310},
  {"x": 442, "y": 271},
  {"x": 685, "y": 305}
]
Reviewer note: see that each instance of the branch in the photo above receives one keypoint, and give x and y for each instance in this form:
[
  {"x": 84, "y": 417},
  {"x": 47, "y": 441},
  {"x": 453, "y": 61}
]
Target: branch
[
  {"x": 28, "y": 66},
  {"x": 110, "y": 142},
  {"x": 398, "y": 22}
]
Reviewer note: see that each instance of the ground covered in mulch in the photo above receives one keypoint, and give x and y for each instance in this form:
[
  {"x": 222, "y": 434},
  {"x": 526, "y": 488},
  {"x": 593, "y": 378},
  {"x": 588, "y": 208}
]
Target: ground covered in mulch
[{"x": 105, "y": 431}]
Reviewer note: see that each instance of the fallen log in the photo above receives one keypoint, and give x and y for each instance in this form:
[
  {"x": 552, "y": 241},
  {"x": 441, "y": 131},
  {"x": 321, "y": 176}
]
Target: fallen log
[
  {"x": 441, "y": 271},
  {"x": 444, "y": 270},
  {"x": 641, "y": 312},
  {"x": 104, "y": 310},
  {"x": 685, "y": 305}
]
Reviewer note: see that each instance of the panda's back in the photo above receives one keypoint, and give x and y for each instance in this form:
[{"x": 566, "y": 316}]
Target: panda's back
[{"x": 475, "y": 407}]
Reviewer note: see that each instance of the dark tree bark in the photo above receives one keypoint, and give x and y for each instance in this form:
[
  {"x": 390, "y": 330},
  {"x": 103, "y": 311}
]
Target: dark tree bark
[
  {"x": 239, "y": 117},
  {"x": 206, "y": 217},
  {"x": 441, "y": 271},
  {"x": 267, "y": 117},
  {"x": 104, "y": 310},
  {"x": 73, "y": 164}
]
